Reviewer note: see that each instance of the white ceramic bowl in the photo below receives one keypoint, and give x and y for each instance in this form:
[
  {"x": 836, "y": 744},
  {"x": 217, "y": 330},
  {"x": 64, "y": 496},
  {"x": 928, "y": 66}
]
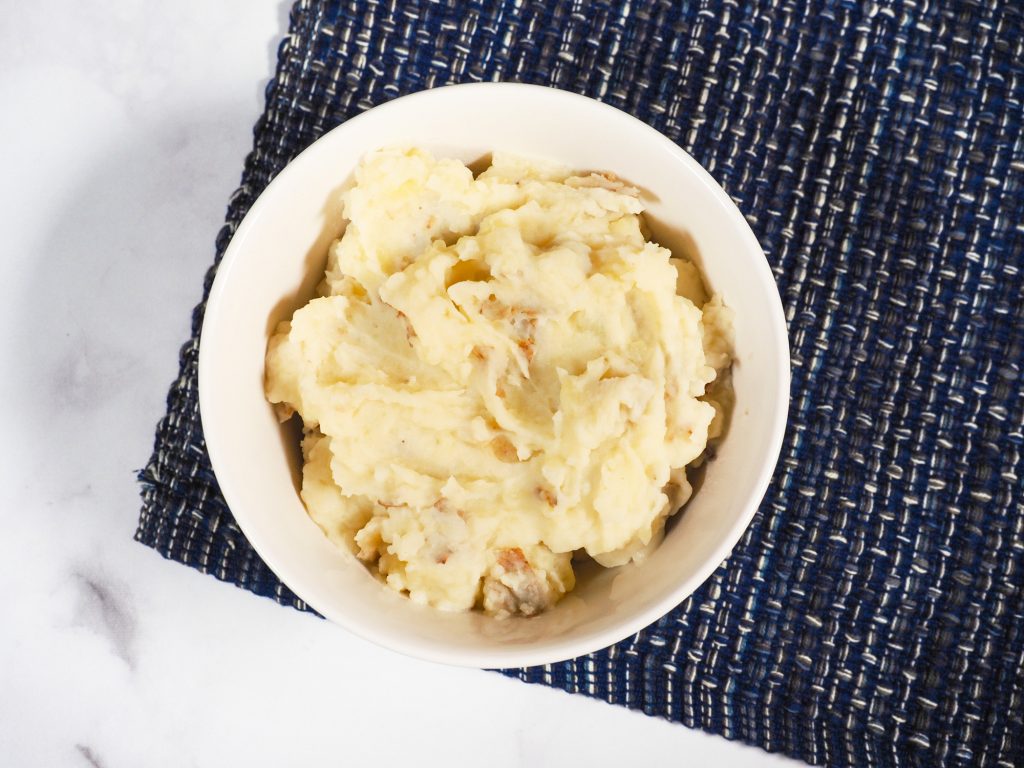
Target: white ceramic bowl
[{"x": 277, "y": 256}]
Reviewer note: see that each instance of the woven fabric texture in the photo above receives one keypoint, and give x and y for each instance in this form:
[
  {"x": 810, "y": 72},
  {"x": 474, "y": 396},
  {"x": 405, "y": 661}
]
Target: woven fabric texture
[{"x": 873, "y": 613}]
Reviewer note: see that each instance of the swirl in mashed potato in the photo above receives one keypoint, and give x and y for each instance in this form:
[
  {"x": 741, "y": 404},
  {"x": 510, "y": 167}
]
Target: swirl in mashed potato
[{"x": 498, "y": 373}]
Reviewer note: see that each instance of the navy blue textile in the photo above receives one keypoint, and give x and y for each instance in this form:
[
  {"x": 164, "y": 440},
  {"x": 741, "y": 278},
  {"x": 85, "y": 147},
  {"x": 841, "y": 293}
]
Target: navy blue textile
[{"x": 873, "y": 614}]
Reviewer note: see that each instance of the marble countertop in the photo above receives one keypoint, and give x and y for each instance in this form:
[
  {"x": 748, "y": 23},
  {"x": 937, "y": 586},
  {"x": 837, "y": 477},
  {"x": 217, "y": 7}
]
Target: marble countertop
[{"x": 123, "y": 132}]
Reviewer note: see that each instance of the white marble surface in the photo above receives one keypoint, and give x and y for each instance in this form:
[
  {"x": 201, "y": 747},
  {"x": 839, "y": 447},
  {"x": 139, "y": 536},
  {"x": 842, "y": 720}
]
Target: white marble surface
[{"x": 123, "y": 127}]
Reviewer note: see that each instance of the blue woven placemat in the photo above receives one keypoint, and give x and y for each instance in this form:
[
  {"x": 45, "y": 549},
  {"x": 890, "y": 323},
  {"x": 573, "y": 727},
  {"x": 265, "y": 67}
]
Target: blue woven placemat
[{"x": 873, "y": 614}]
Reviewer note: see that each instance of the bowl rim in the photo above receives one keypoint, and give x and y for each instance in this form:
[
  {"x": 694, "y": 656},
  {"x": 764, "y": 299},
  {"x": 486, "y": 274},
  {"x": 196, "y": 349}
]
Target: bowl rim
[{"x": 512, "y": 656}]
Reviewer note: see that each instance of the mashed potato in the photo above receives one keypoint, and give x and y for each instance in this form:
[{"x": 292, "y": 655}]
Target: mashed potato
[{"x": 499, "y": 372}]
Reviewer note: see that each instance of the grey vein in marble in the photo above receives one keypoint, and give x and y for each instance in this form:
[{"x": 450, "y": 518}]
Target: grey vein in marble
[
  {"x": 89, "y": 755},
  {"x": 105, "y": 610}
]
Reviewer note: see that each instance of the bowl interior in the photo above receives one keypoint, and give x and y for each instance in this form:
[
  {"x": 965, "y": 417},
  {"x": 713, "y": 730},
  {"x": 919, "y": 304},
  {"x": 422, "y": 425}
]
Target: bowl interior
[{"x": 275, "y": 260}]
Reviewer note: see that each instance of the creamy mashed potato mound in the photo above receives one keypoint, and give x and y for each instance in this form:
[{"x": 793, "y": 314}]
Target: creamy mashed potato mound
[{"x": 499, "y": 372}]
